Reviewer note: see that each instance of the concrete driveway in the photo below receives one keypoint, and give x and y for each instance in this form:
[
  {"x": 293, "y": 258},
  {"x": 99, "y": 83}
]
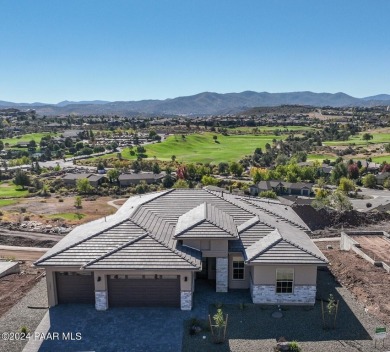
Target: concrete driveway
[{"x": 124, "y": 329}]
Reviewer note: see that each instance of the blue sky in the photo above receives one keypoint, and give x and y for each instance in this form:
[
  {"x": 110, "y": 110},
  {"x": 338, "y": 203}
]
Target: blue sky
[{"x": 130, "y": 50}]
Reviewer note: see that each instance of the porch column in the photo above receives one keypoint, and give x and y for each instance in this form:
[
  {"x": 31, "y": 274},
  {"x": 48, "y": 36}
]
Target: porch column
[
  {"x": 101, "y": 293},
  {"x": 222, "y": 266}
]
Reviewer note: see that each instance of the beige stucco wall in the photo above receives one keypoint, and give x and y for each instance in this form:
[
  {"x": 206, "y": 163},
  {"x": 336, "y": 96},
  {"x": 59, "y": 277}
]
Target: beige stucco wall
[
  {"x": 238, "y": 283},
  {"x": 266, "y": 274},
  {"x": 185, "y": 285},
  {"x": 209, "y": 247}
]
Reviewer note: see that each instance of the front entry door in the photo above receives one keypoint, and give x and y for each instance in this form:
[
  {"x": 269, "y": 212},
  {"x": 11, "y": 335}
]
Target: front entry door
[{"x": 204, "y": 273}]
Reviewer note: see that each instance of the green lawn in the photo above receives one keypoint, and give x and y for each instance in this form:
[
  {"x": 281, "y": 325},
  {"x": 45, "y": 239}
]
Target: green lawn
[
  {"x": 202, "y": 148},
  {"x": 25, "y": 138},
  {"x": 5, "y": 202},
  {"x": 381, "y": 159},
  {"x": 378, "y": 138},
  {"x": 320, "y": 157},
  {"x": 9, "y": 190},
  {"x": 67, "y": 216},
  {"x": 271, "y": 128}
]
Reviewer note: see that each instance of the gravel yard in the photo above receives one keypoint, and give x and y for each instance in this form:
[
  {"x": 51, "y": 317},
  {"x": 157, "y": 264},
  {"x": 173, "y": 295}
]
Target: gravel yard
[
  {"x": 20, "y": 315},
  {"x": 253, "y": 328}
]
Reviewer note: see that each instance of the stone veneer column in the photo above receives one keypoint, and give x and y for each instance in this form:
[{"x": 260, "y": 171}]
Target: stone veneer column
[
  {"x": 101, "y": 300},
  {"x": 186, "y": 300},
  {"x": 222, "y": 266}
]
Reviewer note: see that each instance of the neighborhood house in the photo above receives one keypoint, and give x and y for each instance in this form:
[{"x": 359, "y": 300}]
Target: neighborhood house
[
  {"x": 157, "y": 246},
  {"x": 281, "y": 188}
]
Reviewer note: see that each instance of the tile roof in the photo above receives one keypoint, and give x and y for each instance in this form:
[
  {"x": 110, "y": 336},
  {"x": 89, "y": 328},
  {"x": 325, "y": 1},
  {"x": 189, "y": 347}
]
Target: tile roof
[
  {"x": 206, "y": 220},
  {"x": 142, "y": 234}
]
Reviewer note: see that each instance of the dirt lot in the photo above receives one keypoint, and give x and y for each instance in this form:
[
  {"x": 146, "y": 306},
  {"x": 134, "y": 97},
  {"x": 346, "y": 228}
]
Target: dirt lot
[
  {"x": 15, "y": 286},
  {"x": 44, "y": 210},
  {"x": 368, "y": 283},
  {"x": 377, "y": 247}
]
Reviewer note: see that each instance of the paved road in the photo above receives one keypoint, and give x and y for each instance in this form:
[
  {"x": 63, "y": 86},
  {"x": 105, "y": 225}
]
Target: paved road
[
  {"x": 31, "y": 235},
  {"x": 377, "y": 197}
]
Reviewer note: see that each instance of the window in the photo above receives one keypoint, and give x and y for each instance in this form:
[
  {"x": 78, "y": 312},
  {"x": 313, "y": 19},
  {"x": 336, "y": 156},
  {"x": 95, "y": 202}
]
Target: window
[
  {"x": 284, "y": 280},
  {"x": 238, "y": 269}
]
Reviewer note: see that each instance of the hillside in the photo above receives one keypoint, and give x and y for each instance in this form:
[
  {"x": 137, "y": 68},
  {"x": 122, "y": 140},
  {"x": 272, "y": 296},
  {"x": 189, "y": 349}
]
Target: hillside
[{"x": 205, "y": 103}]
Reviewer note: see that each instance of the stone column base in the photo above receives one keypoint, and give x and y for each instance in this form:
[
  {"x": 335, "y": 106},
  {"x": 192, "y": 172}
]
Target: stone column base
[
  {"x": 265, "y": 294},
  {"x": 101, "y": 300},
  {"x": 186, "y": 300},
  {"x": 222, "y": 266}
]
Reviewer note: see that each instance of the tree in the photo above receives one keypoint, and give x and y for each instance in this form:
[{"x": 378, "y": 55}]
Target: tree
[
  {"x": 209, "y": 181},
  {"x": 268, "y": 194},
  {"x": 1, "y": 145},
  {"x": 369, "y": 181},
  {"x": 223, "y": 168},
  {"x": 386, "y": 183},
  {"x": 78, "y": 202},
  {"x": 83, "y": 186},
  {"x": 215, "y": 137},
  {"x": 353, "y": 171},
  {"x": 367, "y": 136},
  {"x": 136, "y": 166},
  {"x": 181, "y": 184},
  {"x": 32, "y": 144},
  {"x": 168, "y": 180},
  {"x": 156, "y": 169},
  {"x": 339, "y": 171},
  {"x": 113, "y": 175},
  {"x": 236, "y": 169},
  {"x": 387, "y": 148},
  {"x": 22, "y": 179},
  {"x": 346, "y": 185},
  {"x": 339, "y": 201},
  {"x": 173, "y": 157}
]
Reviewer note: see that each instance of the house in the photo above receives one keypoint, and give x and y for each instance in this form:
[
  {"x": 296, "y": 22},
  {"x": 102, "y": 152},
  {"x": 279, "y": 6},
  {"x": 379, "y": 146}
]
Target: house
[
  {"x": 135, "y": 179},
  {"x": 94, "y": 180},
  {"x": 156, "y": 247},
  {"x": 380, "y": 178},
  {"x": 281, "y": 187}
]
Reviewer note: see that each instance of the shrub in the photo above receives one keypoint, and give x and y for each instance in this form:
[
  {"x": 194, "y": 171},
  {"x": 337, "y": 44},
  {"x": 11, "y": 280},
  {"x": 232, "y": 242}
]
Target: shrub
[{"x": 368, "y": 205}]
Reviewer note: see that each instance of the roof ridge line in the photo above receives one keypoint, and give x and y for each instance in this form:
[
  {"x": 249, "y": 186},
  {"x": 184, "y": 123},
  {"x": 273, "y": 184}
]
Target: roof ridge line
[
  {"x": 273, "y": 213},
  {"x": 250, "y": 226},
  {"x": 81, "y": 241},
  {"x": 266, "y": 248},
  {"x": 171, "y": 249},
  {"x": 301, "y": 248},
  {"x": 133, "y": 240}
]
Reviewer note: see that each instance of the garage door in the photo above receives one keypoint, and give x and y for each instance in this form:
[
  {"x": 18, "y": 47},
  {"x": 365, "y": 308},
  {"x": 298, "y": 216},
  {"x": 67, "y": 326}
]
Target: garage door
[
  {"x": 129, "y": 292},
  {"x": 75, "y": 287}
]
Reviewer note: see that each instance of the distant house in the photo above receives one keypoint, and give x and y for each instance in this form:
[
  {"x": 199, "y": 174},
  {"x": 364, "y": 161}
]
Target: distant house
[
  {"x": 94, "y": 180},
  {"x": 371, "y": 166},
  {"x": 281, "y": 188},
  {"x": 380, "y": 178},
  {"x": 135, "y": 179},
  {"x": 73, "y": 134}
]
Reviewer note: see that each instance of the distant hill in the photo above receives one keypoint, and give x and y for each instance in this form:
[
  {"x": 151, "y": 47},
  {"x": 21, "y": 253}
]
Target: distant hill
[{"x": 206, "y": 103}]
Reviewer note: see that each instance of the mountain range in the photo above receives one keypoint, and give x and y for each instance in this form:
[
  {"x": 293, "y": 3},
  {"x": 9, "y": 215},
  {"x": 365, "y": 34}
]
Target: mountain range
[{"x": 206, "y": 103}]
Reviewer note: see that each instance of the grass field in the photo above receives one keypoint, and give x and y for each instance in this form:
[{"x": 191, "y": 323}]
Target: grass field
[
  {"x": 9, "y": 190},
  {"x": 320, "y": 157},
  {"x": 25, "y": 138},
  {"x": 271, "y": 128},
  {"x": 202, "y": 147},
  {"x": 67, "y": 216},
  {"x": 381, "y": 159},
  {"x": 5, "y": 202},
  {"x": 378, "y": 138}
]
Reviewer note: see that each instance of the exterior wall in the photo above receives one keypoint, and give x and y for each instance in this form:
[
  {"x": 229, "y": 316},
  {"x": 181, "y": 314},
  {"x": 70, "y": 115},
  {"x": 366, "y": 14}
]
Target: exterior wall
[
  {"x": 209, "y": 247},
  {"x": 243, "y": 284},
  {"x": 222, "y": 274},
  {"x": 263, "y": 285},
  {"x": 266, "y": 274},
  {"x": 265, "y": 294}
]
